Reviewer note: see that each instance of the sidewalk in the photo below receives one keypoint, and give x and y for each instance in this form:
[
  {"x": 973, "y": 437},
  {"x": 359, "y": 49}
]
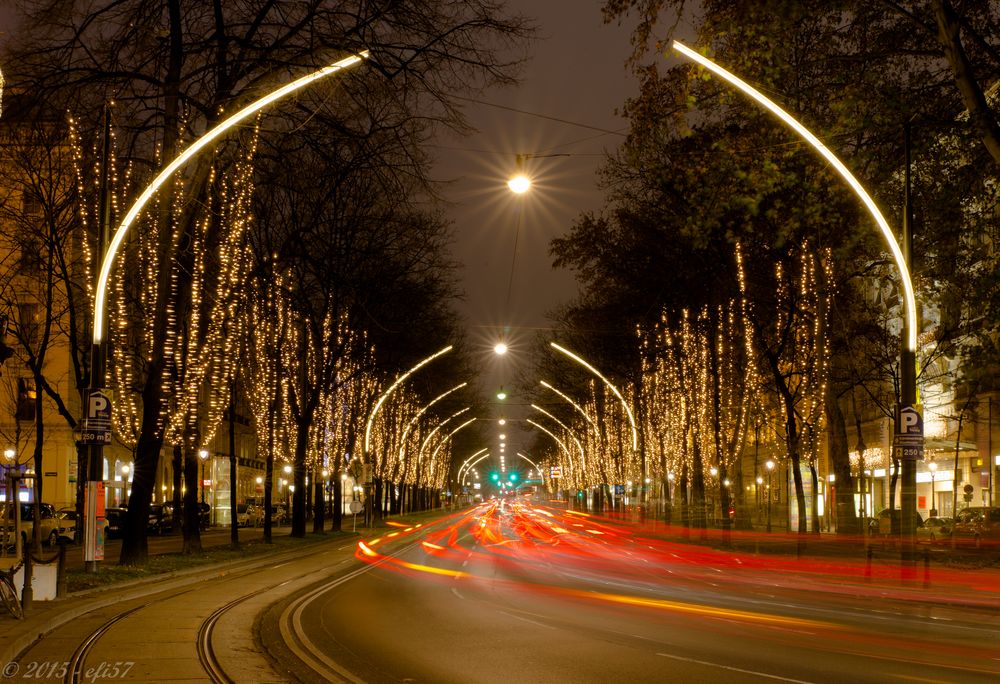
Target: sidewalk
[{"x": 44, "y": 616}]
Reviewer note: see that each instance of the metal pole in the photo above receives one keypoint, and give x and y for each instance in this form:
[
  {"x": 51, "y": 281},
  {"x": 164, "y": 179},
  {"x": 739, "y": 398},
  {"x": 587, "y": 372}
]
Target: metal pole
[
  {"x": 769, "y": 499},
  {"x": 93, "y": 551},
  {"x": 908, "y": 393}
]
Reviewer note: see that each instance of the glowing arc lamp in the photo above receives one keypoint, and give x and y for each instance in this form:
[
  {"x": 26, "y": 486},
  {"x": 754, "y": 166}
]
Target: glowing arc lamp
[
  {"x": 788, "y": 119},
  {"x": 397, "y": 383},
  {"x": 583, "y": 459},
  {"x": 628, "y": 411},
  {"x": 422, "y": 411},
  {"x": 466, "y": 461},
  {"x": 423, "y": 445},
  {"x": 100, "y": 295},
  {"x": 574, "y": 405},
  {"x": 558, "y": 441}
]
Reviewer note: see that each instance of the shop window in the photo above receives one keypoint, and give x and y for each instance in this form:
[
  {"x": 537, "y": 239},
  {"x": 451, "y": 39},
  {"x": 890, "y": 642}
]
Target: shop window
[{"x": 25, "y": 400}]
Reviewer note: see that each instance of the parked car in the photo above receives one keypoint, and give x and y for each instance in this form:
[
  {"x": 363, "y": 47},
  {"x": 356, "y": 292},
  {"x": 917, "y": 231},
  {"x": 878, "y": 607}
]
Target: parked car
[
  {"x": 977, "y": 526},
  {"x": 888, "y": 522},
  {"x": 67, "y": 524},
  {"x": 114, "y": 522},
  {"x": 161, "y": 518},
  {"x": 204, "y": 512},
  {"x": 934, "y": 530},
  {"x": 278, "y": 514},
  {"x": 48, "y": 524},
  {"x": 249, "y": 515}
]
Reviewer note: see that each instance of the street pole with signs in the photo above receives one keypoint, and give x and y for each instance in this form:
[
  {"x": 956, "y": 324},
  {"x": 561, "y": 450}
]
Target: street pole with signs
[{"x": 96, "y": 428}]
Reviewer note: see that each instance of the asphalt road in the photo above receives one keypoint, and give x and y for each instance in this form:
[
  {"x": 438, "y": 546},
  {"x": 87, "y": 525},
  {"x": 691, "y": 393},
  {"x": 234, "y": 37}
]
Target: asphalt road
[{"x": 521, "y": 592}]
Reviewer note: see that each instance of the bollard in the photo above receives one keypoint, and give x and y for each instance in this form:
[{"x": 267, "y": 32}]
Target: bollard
[
  {"x": 927, "y": 568},
  {"x": 62, "y": 580}
]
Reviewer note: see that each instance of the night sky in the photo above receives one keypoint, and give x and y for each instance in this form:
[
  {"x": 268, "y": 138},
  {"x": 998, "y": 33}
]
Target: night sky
[{"x": 576, "y": 73}]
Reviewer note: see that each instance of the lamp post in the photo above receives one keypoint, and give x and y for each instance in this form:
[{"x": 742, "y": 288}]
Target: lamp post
[
  {"x": 909, "y": 439},
  {"x": 203, "y": 455},
  {"x": 288, "y": 487},
  {"x": 92, "y": 554},
  {"x": 9, "y": 453},
  {"x": 932, "y": 466},
  {"x": 125, "y": 471},
  {"x": 770, "y": 468},
  {"x": 760, "y": 481}
]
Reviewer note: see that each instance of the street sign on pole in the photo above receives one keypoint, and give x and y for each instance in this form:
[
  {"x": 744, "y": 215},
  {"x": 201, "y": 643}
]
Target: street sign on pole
[
  {"x": 95, "y": 428},
  {"x": 909, "y": 440}
]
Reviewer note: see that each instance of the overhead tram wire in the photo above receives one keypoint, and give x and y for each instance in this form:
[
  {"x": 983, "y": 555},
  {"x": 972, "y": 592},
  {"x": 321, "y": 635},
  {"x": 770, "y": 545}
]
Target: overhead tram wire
[{"x": 556, "y": 119}]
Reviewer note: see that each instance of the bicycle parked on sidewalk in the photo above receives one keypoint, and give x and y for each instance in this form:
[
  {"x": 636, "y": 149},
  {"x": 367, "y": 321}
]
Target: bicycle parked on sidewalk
[{"x": 9, "y": 592}]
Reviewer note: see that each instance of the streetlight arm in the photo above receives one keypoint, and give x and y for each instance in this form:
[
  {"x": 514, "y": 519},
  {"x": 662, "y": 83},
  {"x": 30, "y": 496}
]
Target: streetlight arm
[
  {"x": 199, "y": 144},
  {"x": 791, "y": 122}
]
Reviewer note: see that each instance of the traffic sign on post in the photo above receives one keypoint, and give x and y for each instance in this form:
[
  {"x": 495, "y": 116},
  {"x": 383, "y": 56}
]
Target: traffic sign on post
[
  {"x": 909, "y": 441},
  {"x": 95, "y": 427}
]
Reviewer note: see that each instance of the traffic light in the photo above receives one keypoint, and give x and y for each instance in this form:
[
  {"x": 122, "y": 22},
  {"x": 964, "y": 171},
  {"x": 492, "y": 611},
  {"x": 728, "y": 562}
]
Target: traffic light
[
  {"x": 495, "y": 476},
  {"x": 513, "y": 477}
]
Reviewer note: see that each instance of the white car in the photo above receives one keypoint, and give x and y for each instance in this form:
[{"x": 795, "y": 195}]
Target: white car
[{"x": 48, "y": 523}]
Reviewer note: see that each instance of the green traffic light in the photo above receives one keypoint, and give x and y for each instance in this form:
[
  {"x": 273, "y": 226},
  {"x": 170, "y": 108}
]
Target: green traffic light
[
  {"x": 495, "y": 477},
  {"x": 513, "y": 477}
]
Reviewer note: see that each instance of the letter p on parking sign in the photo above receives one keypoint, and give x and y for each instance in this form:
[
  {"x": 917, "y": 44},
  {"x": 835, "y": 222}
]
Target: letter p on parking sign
[{"x": 909, "y": 440}]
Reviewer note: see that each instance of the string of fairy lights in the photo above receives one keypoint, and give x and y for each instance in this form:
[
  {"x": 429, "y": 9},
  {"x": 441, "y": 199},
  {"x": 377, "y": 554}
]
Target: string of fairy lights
[
  {"x": 701, "y": 384},
  {"x": 702, "y": 388}
]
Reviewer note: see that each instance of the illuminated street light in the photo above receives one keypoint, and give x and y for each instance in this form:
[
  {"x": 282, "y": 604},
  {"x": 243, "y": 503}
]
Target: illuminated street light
[
  {"x": 413, "y": 421},
  {"x": 628, "y": 411},
  {"x": 569, "y": 457},
  {"x": 203, "y": 141},
  {"x": 500, "y": 348},
  {"x": 467, "y": 466},
  {"x": 579, "y": 408},
  {"x": 501, "y": 395},
  {"x": 770, "y": 468},
  {"x": 125, "y": 472},
  {"x": 583, "y": 458},
  {"x": 519, "y": 184},
  {"x": 502, "y": 421},
  {"x": 394, "y": 385},
  {"x": 203, "y": 455},
  {"x": 423, "y": 445},
  {"x": 89, "y": 527},
  {"x": 907, "y": 362},
  {"x": 451, "y": 434}
]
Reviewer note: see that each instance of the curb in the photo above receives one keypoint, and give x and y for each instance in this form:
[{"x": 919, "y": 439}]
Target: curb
[{"x": 55, "y": 615}]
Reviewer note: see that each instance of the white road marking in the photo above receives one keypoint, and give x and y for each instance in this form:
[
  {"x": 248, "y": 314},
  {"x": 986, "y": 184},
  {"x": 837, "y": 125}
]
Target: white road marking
[
  {"x": 455, "y": 592},
  {"x": 518, "y": 617},
  {"x": 734, "y": 669}
]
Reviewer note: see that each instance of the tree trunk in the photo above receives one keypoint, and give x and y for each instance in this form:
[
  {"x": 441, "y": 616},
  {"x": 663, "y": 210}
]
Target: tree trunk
[
  {"x": 980, "y": 114},
  {"x": 844, "y": 516},
  {"x": 319, "y": 510},
  {"x": 135, "y": 550},
  {"x": 234, "y": 528},
  {"x": 338, "y": 502},
  {"x": 192, "y": 516}
]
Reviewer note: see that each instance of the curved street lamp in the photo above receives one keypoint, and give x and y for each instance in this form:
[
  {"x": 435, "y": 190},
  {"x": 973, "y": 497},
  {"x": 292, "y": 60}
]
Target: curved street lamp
[
  {"x": 394, "y": 385},
  {"x": 583, "y": 459},
  {"x": 569, "y": 456},
  {"x": 422, "y": 411},
  {"x": 101, "y": 289},
  {"x": 579, "y": 408},
  {"x": 628, "y": 411},
  {"x": 908, "y": 355}
]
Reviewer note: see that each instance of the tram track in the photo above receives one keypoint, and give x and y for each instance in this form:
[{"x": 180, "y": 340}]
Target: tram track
[{"x": 99, "y": 631}]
